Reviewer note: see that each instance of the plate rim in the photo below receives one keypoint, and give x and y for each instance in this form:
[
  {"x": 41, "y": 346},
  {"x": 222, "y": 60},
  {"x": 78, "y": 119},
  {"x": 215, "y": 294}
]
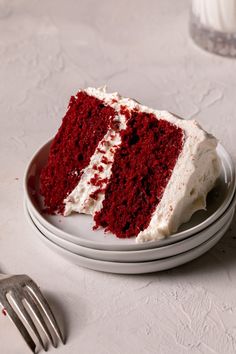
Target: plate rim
[
  {"x": 151, "y": 244},
  {"x": 199, "y": 250},
  {"x": 93, "y": 253}
]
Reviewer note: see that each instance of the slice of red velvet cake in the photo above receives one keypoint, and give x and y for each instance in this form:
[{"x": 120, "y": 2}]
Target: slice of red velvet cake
[{"x": 140, "y": 172}]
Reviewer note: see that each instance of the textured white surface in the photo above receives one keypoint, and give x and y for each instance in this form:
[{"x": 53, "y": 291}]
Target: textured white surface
[{"x": 48, "y": 49}]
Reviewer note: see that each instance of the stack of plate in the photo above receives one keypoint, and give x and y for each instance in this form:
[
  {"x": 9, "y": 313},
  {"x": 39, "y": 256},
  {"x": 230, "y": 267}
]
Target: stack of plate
[{"x": 74, "y": 238}]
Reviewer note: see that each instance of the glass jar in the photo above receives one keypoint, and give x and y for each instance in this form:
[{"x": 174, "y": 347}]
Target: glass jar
[{"x": 213, "y": 25}]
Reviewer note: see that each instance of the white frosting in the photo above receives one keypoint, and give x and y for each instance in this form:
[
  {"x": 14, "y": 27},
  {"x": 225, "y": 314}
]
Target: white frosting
[
  {"x": 216, "y": 14},
  {"x": 193, "y": 176}
]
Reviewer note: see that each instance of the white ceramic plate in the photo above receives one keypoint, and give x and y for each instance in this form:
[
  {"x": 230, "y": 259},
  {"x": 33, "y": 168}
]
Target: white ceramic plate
[
  {"x": 140, "y": 255},
  {"x": 132, "y": 268},
  {"x": 79, "y": 227}
]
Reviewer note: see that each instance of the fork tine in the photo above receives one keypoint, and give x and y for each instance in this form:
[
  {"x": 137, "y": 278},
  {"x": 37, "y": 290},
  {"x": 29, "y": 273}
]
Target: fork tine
[
  {"x": 34, "y": 308},
  {"x": 17, "y": 299},
  {"x": 20, "y": 326},
  {"x": 35, "y": 291}
]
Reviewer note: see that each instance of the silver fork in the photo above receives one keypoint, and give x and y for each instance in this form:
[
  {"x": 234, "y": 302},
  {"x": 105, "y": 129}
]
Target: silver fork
[{"x": 19, "y": 292}]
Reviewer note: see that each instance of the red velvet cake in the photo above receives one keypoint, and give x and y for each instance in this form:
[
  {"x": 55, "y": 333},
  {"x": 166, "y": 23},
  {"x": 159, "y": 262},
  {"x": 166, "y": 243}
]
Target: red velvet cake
[{"x": 140, "y": 172}]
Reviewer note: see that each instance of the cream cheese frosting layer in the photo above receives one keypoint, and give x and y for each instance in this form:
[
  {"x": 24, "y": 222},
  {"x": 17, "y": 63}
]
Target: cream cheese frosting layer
[{"x": 193, "y": 176}]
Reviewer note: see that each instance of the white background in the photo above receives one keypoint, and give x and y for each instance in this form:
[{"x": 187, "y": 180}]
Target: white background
[{"x": 50, "y": 49}]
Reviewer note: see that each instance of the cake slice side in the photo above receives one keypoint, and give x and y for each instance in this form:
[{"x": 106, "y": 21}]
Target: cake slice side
[
  {"x": 194, "y": 170},
  {"x": 139, "y": 171}
]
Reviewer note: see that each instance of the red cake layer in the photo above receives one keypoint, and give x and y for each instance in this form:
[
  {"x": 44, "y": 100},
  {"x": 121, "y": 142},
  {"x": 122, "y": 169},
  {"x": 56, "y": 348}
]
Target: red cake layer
[
  {"x": 141, "y": 170},
  {"x": 84, "y": 125}
]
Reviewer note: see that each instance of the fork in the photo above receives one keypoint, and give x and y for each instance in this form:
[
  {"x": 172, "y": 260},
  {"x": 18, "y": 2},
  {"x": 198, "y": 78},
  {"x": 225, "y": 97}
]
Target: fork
[{"x": 17, "y": 291}]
